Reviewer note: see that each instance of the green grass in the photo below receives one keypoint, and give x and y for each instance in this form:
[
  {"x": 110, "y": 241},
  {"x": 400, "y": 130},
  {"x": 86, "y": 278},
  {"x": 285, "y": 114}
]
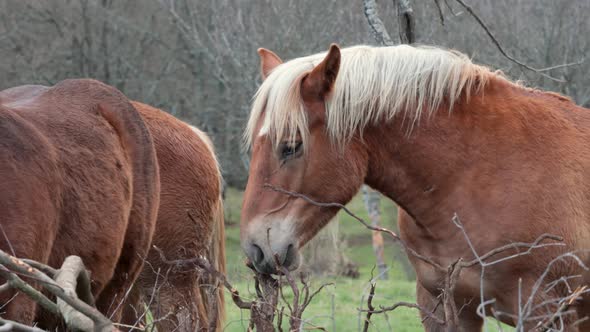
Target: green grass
[{"x": 335, "y": 309}]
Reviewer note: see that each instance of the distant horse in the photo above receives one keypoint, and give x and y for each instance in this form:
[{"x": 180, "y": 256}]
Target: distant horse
[
  {"x": 439, "y": 135},
  {"x": 190, "y": 224},
  {"x": 79, "y": 176}
]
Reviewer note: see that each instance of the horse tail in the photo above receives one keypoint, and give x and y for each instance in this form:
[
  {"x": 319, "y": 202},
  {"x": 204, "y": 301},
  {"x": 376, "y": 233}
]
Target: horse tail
[
  {"x": 216, "y": 257},
  {"x": 138, "y": 145},
  {"x": 215, "y": 307}
]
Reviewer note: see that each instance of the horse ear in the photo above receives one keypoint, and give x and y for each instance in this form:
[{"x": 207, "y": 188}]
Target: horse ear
[
  {"x": 320, "y": 81},
  {"x": 268, "y": 62}
]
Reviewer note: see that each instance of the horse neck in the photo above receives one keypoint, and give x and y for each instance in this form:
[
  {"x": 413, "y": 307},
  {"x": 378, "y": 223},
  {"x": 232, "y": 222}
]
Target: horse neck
[
  {"x": 415, "y": 171},
  {"x": 432, "y": 172}
]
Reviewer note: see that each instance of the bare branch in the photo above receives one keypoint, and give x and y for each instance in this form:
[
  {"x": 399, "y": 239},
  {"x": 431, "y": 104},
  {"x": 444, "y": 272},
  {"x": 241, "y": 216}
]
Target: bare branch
[
  {"x": 566, "y": 303},
  {"x": 427, "y": 312},
  {"x": 7, "y": 240},
  {"x": 203, "y": 264},
  {"x": 509, "y": 57},
  {"x": 370, "y": 308},
  {"x": 440, "y": 12},
  {"x": 297, "y": 309},
  {"x": 17, "y": 283},
  {"x": 514, "y": 245},
  {"x": 6, "y": 325},
  {"x": 393, "y": 235},
  {"x": 48, "y": 270}
]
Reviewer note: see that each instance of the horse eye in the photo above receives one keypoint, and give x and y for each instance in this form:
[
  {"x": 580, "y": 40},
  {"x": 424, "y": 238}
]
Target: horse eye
[{"x": 290, "y": 150}]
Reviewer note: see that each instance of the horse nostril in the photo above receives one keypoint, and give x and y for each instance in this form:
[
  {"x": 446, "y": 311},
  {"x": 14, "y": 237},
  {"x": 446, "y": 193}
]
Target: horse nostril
[
  {"x": 290, "y": 256},
  {"x": 258, "y": 254}
]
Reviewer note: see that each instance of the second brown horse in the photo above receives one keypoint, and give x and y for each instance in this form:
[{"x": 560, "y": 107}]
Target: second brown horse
[{"x": 190, "y": 224}]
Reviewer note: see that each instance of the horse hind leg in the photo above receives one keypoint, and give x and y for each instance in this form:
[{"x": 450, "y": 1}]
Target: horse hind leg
[
  {"x": 14, "y": 305},
  {"x": 429, "y": 302},
  {"x": 113, "y": 298}
]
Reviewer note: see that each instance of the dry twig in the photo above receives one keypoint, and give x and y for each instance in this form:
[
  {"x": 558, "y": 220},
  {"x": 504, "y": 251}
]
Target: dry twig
[{"x": 268, "y": 289}]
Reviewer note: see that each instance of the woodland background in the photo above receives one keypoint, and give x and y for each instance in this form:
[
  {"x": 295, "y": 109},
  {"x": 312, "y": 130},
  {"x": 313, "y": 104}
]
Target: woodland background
[{"x": 197, "y": 59}]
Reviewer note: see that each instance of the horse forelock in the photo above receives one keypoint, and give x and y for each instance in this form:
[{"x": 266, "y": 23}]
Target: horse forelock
[{"x": 373, "y": 84}]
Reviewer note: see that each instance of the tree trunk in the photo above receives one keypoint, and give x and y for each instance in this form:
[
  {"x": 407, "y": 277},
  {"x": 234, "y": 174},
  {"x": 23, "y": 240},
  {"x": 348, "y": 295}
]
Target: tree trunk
[
  {"x": 324, "y": 254},
  {"x": 372, "y": 201}
]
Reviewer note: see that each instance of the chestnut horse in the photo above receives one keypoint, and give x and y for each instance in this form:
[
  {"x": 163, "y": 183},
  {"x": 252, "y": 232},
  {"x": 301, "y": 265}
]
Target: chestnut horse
[
  {"x": 190, "y": 224},
  {"x": 439, "y": 135},
  {"x": 79, "y": 176}
]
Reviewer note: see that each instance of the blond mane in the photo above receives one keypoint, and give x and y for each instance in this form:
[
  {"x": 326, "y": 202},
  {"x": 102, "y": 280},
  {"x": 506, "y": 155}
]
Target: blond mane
[{"x": 373, "y": 84}]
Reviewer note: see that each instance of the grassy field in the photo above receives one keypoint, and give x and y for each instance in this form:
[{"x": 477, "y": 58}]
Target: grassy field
[{"x": 336, "y": 308}]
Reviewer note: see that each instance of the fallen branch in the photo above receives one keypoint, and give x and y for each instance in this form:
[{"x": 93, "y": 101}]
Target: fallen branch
[
  {"x": 48, "y": 270},
  {"x": 6, "y": 325},
  {"x": 81, "y": 312},
  {"x": 14, "y": 281}
]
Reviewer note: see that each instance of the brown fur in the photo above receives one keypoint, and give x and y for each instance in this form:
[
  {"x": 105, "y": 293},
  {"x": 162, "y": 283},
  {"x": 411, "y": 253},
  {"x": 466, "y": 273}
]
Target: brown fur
[
  {"x": 513, "y": 163},
  {"x": 79, "y": 177},
  {"x": 191, "y": 183}
]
